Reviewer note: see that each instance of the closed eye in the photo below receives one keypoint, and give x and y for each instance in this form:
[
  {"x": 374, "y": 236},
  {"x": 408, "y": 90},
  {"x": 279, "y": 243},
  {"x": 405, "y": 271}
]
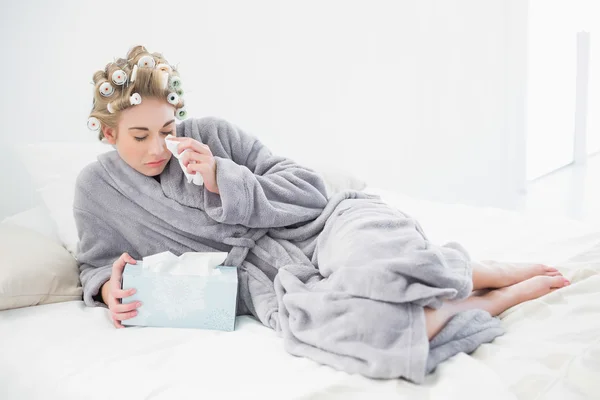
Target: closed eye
[{"x": 141, "y": 139}]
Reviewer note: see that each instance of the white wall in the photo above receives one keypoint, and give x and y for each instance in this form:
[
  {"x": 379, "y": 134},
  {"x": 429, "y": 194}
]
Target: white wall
[{"x": 424, "y": 97}]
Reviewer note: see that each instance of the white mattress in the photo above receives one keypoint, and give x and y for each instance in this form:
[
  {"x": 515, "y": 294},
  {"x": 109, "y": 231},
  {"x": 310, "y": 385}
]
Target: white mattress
[{"x": 551, "y": 350}]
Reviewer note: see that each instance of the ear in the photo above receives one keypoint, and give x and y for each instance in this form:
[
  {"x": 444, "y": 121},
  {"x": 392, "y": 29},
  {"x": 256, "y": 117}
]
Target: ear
[{"x": 110, "y": 134}]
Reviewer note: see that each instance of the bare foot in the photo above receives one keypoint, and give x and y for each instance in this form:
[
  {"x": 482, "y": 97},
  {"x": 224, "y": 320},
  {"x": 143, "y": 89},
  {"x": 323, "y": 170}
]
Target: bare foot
[
  {"x": 501, "y": 300},
  {"x": 492, "y": 274},
  {"x": 495, "y": 301}
]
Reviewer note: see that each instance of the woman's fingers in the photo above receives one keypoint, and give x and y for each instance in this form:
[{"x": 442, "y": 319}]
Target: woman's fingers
[
  {"x": 120, "y": 293},
  {"x": 116, "y": 322},
  {"x": 118, "y": 316},
  {"x": 119, "y": 265},
  {"x": 196, "y": 146},
  {"x": 127, "y": 307},
  {"x": 188, "y": 157},
  {"x": 117, "y": 271},
  {"x": 195, "y": 158},
  {"x": 199, "y": 167},
  {"x": 120, "y": 312}
]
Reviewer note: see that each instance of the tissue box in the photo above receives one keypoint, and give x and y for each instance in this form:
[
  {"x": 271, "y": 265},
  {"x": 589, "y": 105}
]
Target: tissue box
[{"x": 182, "y": 301}]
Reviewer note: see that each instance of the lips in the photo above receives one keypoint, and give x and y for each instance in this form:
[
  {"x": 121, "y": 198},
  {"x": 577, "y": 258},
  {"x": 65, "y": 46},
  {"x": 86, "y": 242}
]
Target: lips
[{"x": 155, "y": 163}]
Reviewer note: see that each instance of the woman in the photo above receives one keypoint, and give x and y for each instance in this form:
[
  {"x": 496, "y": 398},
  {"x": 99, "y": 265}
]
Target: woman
[{"x": 347, "y": 281}]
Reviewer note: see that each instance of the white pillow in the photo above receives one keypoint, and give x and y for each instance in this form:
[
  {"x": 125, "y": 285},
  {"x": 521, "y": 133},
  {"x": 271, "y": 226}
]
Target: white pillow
[
  {"x": 34, "y": 269},
  {"x": 37, "y": 219},
  {"x": 337, "y": 180},
  {"x": 54, "y": 167}
]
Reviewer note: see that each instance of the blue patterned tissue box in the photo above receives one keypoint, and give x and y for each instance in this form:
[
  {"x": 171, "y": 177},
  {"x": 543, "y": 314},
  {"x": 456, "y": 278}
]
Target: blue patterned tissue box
[{"x": 182, "y": 301}]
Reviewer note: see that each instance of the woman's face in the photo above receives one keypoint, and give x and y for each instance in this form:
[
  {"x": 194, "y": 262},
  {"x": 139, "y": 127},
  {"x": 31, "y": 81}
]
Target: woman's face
[{"x": 140, "y": 135}]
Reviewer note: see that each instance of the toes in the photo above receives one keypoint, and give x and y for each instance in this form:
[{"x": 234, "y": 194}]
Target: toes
[
  {"x": 539, "y": 269},
  {"x": 549, "y": 269},
  {"x": 558, "y": 282}
]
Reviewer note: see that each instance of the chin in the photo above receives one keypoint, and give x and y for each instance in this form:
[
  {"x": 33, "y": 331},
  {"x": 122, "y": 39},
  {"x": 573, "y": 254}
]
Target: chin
[{"x": 155, "y": 173}]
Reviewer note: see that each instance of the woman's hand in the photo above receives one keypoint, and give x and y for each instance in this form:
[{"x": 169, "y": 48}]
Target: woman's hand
[
  {"x": 199, "y": 159},
  {"x": 112, "y": 293}
]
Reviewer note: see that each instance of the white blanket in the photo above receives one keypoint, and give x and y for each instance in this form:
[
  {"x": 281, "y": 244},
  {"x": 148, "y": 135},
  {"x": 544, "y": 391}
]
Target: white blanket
[{"x": 551, "y": 349}]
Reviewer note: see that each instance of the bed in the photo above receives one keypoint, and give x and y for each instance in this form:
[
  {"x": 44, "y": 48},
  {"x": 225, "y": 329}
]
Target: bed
[{"x": 551, "y": 349}]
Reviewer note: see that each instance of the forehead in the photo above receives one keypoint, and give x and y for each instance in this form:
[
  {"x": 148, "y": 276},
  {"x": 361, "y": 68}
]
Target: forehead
[{"x": 151, "y": 113}]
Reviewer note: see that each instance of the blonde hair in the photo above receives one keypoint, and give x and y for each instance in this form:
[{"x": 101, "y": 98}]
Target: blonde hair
[{"x": 148, "y": 83}]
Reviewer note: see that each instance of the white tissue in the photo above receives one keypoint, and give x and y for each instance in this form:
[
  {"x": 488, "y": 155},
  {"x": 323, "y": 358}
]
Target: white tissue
[
  {"x": 172, "y": 146},
  {"x": 193, "y": 263}
]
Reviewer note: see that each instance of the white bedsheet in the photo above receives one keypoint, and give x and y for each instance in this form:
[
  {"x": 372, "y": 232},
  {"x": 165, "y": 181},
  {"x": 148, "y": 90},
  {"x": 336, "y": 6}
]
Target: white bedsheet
[{"x": 551, "y": 350}]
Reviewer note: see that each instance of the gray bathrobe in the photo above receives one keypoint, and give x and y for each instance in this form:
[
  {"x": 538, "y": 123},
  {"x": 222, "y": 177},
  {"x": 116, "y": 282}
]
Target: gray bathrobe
[{"x": 343, "y": 279}]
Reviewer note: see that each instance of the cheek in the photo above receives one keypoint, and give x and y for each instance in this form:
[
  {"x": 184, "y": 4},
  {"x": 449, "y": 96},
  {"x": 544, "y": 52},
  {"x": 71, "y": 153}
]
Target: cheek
[
  {"x": 133, "y": 153},
  {"x": 136, "y": 151}
]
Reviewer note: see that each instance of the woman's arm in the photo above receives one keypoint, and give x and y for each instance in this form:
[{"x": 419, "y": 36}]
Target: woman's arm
[
  {"x": 98, "y": 248},
  {"x": 256, "y": 188}
]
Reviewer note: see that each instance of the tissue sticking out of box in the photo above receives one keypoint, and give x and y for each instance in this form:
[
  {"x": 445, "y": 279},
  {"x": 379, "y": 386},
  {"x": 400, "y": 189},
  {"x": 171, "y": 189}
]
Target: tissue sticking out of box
[{"x": 192, "y": 263}]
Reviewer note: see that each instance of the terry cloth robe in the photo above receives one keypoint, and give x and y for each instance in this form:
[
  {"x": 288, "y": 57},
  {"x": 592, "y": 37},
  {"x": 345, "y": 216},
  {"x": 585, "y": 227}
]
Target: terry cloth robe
[{"x": 343, "y": 279}]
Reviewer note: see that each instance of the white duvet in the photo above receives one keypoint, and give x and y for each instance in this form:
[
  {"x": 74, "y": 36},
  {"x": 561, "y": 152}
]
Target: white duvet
[{"x": 551, "y": 349}]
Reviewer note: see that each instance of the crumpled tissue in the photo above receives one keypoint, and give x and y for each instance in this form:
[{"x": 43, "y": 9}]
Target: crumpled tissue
[{"x": 195, "y": 178}]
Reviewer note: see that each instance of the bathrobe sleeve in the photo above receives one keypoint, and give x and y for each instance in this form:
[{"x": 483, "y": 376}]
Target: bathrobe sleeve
[
  {"x": 257, "y": 188},
  {"x": 98, "y": 248},
  {"x": 100, "y": 245}
]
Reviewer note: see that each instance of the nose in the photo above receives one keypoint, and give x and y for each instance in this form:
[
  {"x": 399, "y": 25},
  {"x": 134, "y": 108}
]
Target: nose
[{"x": 157, "y": 146}]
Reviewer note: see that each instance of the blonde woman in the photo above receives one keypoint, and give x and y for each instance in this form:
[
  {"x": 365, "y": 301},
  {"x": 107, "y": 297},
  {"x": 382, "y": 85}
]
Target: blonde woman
[{"x": 347, "y": 281}]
